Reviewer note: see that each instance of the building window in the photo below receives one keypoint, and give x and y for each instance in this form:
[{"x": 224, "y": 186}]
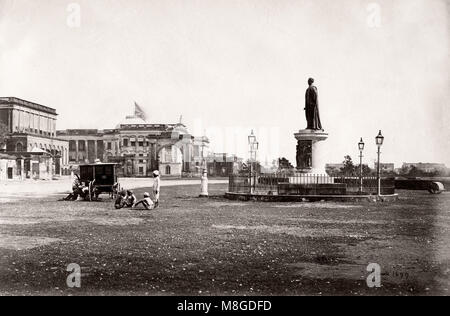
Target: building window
[
  {"x": 109, "y": 145},
  {"x": 168, "y": 170},
  {"x": 133, "y": 144},
  {"x": 81, "y": 146},
  {"x": 141, "y": 144},
  {"x": 125, "y": 142},
  {"x": 19, "y": 147},
  {"x": 72, "y": 145},
  {"x": 141, "y": 170}
]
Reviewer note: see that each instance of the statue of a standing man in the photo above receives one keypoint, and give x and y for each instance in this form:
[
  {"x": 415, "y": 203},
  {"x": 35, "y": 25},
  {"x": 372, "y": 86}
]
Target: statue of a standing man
[{"x": 312, "y": 107}]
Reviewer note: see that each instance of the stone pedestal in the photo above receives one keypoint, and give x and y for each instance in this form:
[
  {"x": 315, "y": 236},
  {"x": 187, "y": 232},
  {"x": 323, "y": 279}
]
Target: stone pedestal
[{"x": 310, "y": 158}]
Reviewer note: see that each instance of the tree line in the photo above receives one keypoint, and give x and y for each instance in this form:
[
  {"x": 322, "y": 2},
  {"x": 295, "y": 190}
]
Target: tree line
[{"x": 350, "y": 169}]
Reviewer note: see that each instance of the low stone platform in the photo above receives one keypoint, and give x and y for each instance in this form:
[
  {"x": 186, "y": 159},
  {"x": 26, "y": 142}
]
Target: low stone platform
[
  {"x": 309, "y": 198},
  {"x": 316, "y": 189}
]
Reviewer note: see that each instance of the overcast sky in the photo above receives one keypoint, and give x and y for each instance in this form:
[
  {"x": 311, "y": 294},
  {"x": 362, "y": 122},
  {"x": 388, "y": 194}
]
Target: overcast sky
[{"x": 230, "y": 66}]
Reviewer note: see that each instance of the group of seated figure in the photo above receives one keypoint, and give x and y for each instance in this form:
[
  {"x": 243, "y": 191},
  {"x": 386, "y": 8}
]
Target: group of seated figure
[{"x": 128, "y": 199}]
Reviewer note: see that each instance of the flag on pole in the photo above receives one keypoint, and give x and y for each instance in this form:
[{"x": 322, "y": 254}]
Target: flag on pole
[{"x": 139, "y": 112}]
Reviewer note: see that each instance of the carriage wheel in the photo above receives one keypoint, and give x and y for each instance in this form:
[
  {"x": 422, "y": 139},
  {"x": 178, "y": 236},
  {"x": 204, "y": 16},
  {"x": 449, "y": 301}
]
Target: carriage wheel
[{"x": 436, "y": 188}]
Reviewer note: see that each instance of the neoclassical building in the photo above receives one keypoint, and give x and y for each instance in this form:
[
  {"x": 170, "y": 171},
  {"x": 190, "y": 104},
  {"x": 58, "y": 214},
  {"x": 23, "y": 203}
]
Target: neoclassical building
[
  {"x": 31, "y": 139},
  {"x": 139, "y": 147}
]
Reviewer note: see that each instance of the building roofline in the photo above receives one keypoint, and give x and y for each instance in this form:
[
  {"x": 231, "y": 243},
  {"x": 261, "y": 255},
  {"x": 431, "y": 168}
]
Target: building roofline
[
  {"x": 425, "y": 163},
  {"x": 161, "y": 127},
  {"x": 17, "y": 134},
  {"x": 28, "y": 104}
]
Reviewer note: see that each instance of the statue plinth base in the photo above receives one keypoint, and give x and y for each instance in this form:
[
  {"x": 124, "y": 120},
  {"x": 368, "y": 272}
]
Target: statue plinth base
[{"x": 310, "y": 158}]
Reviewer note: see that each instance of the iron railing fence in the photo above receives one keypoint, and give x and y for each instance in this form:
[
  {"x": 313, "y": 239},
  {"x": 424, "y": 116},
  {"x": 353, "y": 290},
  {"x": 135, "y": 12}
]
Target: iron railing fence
[
  {"x": 271, "y": 183},
  {"x": 369, "y": 185}
]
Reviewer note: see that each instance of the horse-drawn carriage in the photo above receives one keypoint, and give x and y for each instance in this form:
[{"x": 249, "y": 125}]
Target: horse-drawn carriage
[{"x": 100, "y": 178}]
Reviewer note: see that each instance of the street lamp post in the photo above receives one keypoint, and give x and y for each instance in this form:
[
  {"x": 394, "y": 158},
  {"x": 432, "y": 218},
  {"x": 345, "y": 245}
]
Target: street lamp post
[
  {"x": 253, "y": 147},
  {"x": 361, "y": 148},
  {"x": 204, "y": 176},
  {"x": 379, "y": 141}
]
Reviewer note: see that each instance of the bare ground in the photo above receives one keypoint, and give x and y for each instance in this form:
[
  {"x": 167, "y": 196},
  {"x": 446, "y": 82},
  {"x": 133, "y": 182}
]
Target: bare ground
[{"x": 214, "y": 246}]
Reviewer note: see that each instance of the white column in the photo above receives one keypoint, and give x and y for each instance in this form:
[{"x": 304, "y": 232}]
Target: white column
[
  {"x": 204, "y": 184},
  {"x": 22, "y": 168},
  {"x": 319, "y": 157},
  {"x": 76, "y": 151}
]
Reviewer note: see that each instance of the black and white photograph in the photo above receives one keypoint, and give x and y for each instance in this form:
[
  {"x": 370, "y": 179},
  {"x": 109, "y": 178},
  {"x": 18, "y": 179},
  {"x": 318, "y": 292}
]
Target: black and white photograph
[{"x": 224, "y": 154}]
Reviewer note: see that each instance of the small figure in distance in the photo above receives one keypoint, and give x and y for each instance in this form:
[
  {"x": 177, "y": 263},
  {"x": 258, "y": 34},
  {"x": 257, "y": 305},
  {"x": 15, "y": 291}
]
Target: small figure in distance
[{"x": 156, "y": 187}]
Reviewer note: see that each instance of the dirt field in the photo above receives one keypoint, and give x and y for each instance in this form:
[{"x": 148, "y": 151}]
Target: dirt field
[
  {"x": 15, "y": 190},
  {"x": 215, "y": 246}
]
